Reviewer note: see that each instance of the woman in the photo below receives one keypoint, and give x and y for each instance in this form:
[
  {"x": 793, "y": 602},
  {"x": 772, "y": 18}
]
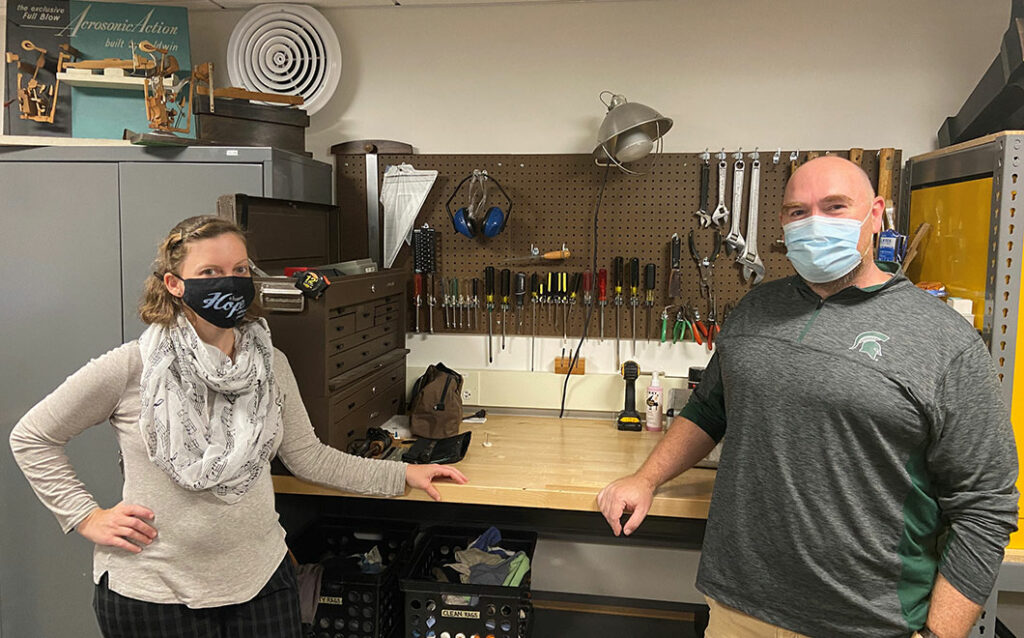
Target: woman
[{"x": 200, "y": 403}]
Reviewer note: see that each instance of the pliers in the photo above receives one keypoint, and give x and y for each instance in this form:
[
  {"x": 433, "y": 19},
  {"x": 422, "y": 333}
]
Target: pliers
[
  {"x": 706, "y": 263},
  {"x": 682, "y": 326},
  {"x": 712, "y": 326},
  {"x": 700, "y": 331}
]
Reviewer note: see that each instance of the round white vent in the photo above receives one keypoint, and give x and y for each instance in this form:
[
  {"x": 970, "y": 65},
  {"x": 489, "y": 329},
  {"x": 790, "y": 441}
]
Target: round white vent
[{"x": 288, "y": 49}]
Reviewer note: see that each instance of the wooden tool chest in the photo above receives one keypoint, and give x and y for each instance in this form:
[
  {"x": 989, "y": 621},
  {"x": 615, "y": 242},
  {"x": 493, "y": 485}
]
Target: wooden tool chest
[{"x": 347, "y": 349}]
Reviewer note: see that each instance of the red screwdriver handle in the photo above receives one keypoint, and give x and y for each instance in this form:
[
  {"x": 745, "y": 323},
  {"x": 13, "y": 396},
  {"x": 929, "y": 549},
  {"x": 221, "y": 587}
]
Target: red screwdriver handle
[
  {"x": 588, "y": 281},
  {"x": 602, "y": 285},
  {"x": 418, "y": 279}
]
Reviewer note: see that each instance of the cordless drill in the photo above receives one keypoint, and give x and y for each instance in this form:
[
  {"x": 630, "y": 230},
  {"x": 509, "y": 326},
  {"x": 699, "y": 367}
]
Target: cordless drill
[{"x": 629, "y": 418}]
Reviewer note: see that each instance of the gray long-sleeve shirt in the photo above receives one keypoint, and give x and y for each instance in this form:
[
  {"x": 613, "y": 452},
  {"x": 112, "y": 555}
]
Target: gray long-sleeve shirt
[
  {"x": 868, "y": 448},
  {"x": 207, "y": 553}
]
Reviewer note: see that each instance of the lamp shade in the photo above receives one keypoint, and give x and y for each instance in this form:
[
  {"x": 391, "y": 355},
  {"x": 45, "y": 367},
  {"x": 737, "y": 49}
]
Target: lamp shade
[{"x": 629, "y": 130}]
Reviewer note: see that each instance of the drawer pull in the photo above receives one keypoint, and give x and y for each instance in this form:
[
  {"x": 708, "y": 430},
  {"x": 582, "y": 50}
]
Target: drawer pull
[
  {"x": 373, "y": 390},
  {"x": 366, "y": 353},
  {"x": 373, "y": 288},
  {"x": 374, "y": 415},
  {"x": 351, "y": 405},
  {"x": 281, "y": 297}
]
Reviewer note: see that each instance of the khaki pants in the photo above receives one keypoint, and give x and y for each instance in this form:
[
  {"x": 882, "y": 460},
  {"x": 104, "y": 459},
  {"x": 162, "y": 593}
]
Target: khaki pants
[{"x": 726, "y": 622}]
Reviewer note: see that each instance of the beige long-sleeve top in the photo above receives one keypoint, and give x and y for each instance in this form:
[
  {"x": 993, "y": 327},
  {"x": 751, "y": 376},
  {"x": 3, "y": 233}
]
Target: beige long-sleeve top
[{"x": 207, "y": 553}]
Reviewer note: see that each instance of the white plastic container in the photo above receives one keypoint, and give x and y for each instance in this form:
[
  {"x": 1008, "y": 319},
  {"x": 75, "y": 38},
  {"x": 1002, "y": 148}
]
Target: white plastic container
[{"x": 654, "y": 403}]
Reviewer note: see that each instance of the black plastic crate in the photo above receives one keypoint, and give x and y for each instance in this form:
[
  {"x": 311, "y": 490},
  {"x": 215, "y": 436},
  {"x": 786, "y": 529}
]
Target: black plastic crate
[
  {"x": 352, "y": 604},
  {"x": 455, "y": 610}
]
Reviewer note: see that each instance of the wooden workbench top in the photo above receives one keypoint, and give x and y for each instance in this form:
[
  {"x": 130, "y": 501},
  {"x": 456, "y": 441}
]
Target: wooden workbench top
[{"x": 550, "y": 463}]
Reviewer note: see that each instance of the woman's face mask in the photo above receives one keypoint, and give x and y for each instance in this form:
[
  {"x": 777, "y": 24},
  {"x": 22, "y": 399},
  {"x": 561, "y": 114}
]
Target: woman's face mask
[
  {"x": 824, "y": 249},
  {"x": 220, "y": 300}
]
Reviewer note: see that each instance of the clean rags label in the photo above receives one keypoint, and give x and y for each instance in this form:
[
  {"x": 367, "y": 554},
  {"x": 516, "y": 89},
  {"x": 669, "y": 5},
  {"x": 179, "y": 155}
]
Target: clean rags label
[
  {"x": 331, "y": 600},
  {"x": 459, "y": 613}
]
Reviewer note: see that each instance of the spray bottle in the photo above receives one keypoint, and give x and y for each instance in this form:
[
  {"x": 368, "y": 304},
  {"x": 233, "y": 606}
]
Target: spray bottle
[{"x": 654, "y": 402}]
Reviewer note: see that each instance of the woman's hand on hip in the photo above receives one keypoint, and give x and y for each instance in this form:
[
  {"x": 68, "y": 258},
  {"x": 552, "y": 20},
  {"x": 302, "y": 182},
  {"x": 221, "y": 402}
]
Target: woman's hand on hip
[
  {"x": 422, "y": 476},
  {"x": 126, "y": 526}
]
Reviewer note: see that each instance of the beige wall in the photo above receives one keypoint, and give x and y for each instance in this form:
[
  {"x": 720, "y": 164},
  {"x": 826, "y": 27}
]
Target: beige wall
[{"x": 525, "y": 78}]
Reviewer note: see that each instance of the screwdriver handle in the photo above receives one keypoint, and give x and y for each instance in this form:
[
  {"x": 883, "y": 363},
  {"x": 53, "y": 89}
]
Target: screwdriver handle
[
  {"x": 534, "y": 286},
  {"x": 577, "y": 281},
  {"x": 520, "y": 286},
  {"x": 677, "y": 249},
  {"x": 634, "y": 275},
  {"x": 602, "y": 285},
  {"x": 588, "y": 281},
  {"x": 506, "y": 284},
  {"x": 550, "y": 286},
  {"x": 649, "y": 276},
  {"x": 455, "y": 287},
  {"x": 418, "y": 284},
  {"x": 563, "y": 284},
  {"x": 617, "y": 274},
  {"x": 489, "y": 283},
  {"x": 476, "y": 288}
]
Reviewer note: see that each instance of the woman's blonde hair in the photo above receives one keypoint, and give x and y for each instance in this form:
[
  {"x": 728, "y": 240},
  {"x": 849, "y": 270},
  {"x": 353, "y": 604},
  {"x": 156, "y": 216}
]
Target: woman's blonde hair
[{"x": 158, "y": 305}]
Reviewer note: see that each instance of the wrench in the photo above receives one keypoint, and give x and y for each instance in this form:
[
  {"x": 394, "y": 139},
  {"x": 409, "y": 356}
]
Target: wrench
[
  {"x": 704, "y": 218},
  {"x": 752, "y": 265},
  {"x": 734, "y": 241},
  {"x": 721, "y": 215}
]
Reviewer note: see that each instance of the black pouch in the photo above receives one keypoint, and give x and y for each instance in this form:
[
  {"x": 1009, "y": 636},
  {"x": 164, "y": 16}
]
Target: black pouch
[{"x": 450, "y": 450}]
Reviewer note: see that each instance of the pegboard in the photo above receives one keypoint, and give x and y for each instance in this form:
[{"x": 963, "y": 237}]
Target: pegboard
[{"x": 554, "y": 199}]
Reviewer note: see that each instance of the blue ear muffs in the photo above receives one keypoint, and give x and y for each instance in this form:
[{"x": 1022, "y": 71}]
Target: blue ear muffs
[
  {"x": 494, "y": 221},
  {"x": 460, "y": 220}
]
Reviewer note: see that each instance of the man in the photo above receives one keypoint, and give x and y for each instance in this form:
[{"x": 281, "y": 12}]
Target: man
[{"x": 867, "y": 484}]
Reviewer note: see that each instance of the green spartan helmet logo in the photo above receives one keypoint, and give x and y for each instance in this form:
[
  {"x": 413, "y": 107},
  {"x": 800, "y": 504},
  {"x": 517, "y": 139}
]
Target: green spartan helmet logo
[{"x": 870, "y": 343}]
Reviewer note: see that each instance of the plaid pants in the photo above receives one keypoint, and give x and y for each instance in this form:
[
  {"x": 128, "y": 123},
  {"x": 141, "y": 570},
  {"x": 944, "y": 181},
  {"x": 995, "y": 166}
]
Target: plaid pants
[{"x": 273, "y": 613}]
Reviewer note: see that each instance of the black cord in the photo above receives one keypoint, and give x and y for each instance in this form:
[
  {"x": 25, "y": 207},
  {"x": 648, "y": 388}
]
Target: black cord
[{"x": 593, "y": 280}]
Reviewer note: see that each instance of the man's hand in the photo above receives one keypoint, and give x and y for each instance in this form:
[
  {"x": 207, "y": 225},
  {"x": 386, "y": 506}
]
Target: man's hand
[
  {"x": 630, "y": 493},
  {"x": 119, "y": 525},
  {"x": 421, "y": 477}
]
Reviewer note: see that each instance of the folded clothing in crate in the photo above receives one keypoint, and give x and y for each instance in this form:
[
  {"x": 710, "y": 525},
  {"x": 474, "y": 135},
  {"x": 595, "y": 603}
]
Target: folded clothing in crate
[
  {"x": 485, "y": 563},
  {"x": 434, "y": 608}
]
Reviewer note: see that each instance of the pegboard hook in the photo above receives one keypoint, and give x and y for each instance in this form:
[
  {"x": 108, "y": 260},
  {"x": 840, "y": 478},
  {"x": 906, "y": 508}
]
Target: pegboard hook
[
  {"x": 738, "y": 155},
  {"x": 777, "y": 156},
  {"x": 755, "y": 155},
  {"x": 706, "y": 155},
  {"x": 721, "y": 154}
]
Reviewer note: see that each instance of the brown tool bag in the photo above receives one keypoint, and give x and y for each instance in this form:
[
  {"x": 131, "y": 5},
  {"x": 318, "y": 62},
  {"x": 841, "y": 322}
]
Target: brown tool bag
[{"x": 435, "y": 410}]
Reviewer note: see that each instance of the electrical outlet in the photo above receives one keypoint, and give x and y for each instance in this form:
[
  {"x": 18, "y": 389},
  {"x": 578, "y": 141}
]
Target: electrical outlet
[{"x": 466, "y": 395}]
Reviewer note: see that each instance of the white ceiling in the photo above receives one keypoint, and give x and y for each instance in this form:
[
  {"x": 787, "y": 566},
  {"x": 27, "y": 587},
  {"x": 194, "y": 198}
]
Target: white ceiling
[{"x": 343, "y": 4}]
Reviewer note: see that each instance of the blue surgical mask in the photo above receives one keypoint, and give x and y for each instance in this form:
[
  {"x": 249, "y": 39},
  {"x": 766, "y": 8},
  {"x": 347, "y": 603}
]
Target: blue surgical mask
[{"x": 823, "y": 249}]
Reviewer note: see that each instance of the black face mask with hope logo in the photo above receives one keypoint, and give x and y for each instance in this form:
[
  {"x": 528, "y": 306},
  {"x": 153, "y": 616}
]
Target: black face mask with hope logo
[{"x": 220, "y": 300}]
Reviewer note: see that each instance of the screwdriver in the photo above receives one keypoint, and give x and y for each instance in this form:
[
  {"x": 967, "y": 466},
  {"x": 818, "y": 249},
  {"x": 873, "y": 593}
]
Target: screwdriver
[
  {"x": 418, "y": 284},
  {"x": 535, "y": 292},
  {"x": 551, "y": 300},
  {"x": 577, "y": 286},
  {"x": 489, "y": 296},
  {"x": 588, "y": 288},
  {"x": 563, "y": 287},
  {"x": 456, "y": 311},
  {"x": 431, "y": 301},
  {"x": 617, "y": 282},
  {"x": 444, "y": 301},
  {"x": 650, "y": 276},
  {"x": 475, "y": 305},
  {"x": 520, "y": 299},
  {"x": 602, "y": 295},
  {"x": 634, "y": 288},
  {"x": 506, "y": 285}
]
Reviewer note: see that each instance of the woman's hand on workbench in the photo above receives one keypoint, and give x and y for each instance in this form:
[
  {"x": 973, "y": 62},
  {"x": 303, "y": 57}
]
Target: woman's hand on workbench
[
  {"x": 422, "y": 476},
  {"x": 628, "y": 494}
]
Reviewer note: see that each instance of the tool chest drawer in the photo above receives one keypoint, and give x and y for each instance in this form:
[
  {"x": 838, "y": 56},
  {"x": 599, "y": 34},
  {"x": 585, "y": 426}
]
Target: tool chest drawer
[
  {"x": 351, "y": 397},
  {"x": 348, "y": 359},
  {"x": 341, "y": 326}
]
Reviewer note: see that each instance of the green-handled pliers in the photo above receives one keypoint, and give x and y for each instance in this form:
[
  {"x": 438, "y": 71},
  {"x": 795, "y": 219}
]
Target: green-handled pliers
[{"x": 682, "y": 326}]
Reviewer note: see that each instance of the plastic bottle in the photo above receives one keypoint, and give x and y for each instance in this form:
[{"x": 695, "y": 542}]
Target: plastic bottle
[{"x": 654, "y": 401}]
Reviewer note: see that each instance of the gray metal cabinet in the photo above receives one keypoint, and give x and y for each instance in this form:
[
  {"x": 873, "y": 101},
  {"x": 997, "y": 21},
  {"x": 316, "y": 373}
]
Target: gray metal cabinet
[
  {"x": 61, "y": 306},
  {"x": 81, "y": 226}
]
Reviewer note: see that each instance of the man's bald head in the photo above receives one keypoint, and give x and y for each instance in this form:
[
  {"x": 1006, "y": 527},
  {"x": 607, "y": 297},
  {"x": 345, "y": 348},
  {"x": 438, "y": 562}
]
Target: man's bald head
[{"x": 837, "y": 170}]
